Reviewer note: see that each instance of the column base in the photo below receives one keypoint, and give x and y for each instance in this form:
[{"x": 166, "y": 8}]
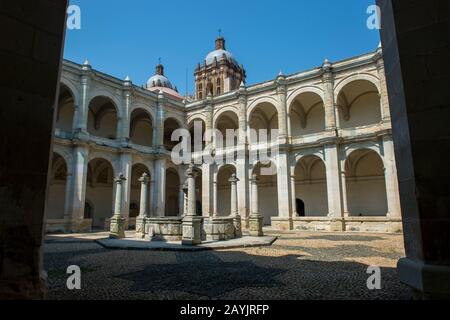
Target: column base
[
  {"x": 282, "y": 224},
  {"x": 337, "y": 225},
  {"x": 237, "y": 222},
  {"x": 140, "y": 227},
  {"x": 256, "y": 225},
  {"x": 117, "y": 228},
  {"x": 427, "y": 281},
  {"x": 192, "y": 231}
]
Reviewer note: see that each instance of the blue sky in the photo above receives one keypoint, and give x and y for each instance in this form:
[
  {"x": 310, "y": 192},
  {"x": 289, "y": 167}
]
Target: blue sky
[{"x": 127, "y": 37}]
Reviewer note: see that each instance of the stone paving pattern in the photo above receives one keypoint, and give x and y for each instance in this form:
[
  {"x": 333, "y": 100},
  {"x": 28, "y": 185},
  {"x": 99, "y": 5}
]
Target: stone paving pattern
[{"x": 297, "y": 266}]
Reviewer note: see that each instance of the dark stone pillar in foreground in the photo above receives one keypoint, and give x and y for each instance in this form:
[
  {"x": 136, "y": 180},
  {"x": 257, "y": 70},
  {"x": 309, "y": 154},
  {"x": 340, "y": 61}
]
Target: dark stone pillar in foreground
[
  {"x": 31, "y": 41},
  {"x": 416, "y": 46}
]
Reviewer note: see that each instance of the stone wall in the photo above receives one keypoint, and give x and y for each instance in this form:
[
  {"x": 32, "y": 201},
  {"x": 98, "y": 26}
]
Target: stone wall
[{"x": 32, "y": 34}]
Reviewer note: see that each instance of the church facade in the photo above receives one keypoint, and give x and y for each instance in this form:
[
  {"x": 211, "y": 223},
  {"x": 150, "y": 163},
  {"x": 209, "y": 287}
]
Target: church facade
[{"x": 335, "y": 166}]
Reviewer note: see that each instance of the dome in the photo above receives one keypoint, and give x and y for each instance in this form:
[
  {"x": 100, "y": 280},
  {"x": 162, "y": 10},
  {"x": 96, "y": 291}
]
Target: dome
[
  {"x": 219, "y": 54},
  {"x": 159, "y": 81}
]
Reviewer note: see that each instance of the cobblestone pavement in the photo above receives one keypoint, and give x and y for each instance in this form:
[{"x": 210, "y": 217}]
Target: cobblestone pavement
[{"x": 298, "y": 266}]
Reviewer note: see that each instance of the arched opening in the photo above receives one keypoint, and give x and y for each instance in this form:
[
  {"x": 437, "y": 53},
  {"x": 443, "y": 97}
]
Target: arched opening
[
  {"x": 102, "y": 118},
  {"x": 198, "y": 192},
  {"x": 359, "y": 104},
  {"x": 135, "y": 195},
  {"x": 99, "y": 191},
  {"x": 300, "y": 207},
  {"x": 224, "y": 190},
  {"x": 66, "y": 110},
  {"x": 210, "y": 89},
  {"x": 307, "y": 114},
  {"x": 197, "y": 141},
  {"x": 366, "y": 187},
  {"x": 228, "y": 121},
  {"x": 311, "y": 187},
  {"x": 57, "y": 189},
  {"x": 267, "y": 191},
  {"x": 170, "y": 125},
  {"x": 141, "y": 128},
  {"x": 263, "y": 117},
  {"x": 88, "y": 211},
  {"x": 172, "y": 193}
]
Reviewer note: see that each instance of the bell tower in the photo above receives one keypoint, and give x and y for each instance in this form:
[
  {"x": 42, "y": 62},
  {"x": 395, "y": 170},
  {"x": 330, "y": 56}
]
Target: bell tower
[{"x": 220, "y": 73}]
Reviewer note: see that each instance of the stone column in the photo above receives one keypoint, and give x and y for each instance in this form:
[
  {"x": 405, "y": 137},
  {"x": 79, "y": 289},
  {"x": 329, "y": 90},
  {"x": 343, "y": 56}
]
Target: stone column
[
  {"x": 234, "y": 207},
  {"x": 117, "y": 229},
  {"x": 344, "y": 192},
  {"x": 392, "y": 189},
  {"x": 215, "y": 195},
  {"x": 328, "y": 86},
  {"x": 143, "y": 213},
  {"x": 160, "y": 117},
  {"x": 126, "y": 166},
  {"x": 242, "y": 160},
  {"x": 74, "y": 207},
  {"x": 191, "y": 223},
  {"x": 207, "y": 190},
  {"x": 152, "y": 198},
  {"x": 334, "y": 189},
  {"x": 293, "y": 196},
  {"x": 420, "y": 111},
  {"x": 256, "y": 219},
  {"x": 83, "y": 110},
  {"x": 32, "y": 43},
  {"x": 124, "y": 121},
  {"x": 384, "y": 98},
  {"x": 284, "y": 219},
  {"x": 160, "y": 188},
  {"x": 282, "y": 109},
  {"x": 185, "y": 197}
]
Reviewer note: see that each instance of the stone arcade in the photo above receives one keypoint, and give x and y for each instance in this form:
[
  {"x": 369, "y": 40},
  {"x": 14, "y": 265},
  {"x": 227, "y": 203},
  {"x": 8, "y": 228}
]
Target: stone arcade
[{"x": 336, "y": 169}]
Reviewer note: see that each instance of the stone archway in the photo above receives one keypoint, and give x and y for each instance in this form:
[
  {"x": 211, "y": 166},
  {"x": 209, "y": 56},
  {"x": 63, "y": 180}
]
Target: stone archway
[
  {"x": 135, "y": 195},
  {"x": 224, "y": 190},
  {"x": 66, "y": 110},
  {"x": 307, "y": 114},
  {"x": 172, "y": 193},
  {"x": 359, "y": 104},
  {"x": 365, "y": 184},
  {"x": 267, "y": 191},
  {"x": 141, "y": 128},
  {"x": 100, "y": 190},
  {"x": 57, "y": 189},
  {"x": 311, "y": 186},
  {"x": 103, "y": 118},
  {"x": 263, "y": 117}
]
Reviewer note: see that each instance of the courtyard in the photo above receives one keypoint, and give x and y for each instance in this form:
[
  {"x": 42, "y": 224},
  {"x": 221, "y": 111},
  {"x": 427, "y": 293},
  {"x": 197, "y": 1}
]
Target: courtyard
[{"x": 299, "y": 265}]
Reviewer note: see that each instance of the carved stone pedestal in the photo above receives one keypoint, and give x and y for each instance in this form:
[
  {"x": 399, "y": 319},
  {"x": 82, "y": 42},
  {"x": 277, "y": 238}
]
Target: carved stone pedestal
[
  {"x": 256, "y": 225},
  {"x": 117, "y": 229},
  {"x": 237, "y": 226},
  {"x": 192, "y": 227}
]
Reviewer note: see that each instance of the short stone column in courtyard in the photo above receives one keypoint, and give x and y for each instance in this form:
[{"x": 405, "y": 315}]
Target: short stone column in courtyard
[
  {"x": 117, "y": 229},
  {"x": 234, "y": 207},
  {"x": 191, "y": 222},
  {"x": 143, "y": 213},
  {"x": 256, "y": 219}
]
